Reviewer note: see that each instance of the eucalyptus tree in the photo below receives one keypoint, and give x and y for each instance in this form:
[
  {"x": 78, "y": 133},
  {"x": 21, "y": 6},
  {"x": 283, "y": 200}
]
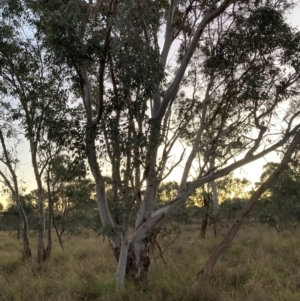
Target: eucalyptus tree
[
  {"x": 8, "y": 176},
  {"x": 59, "y": 170},
  {"x": 66, "y": 180},
  {"x": 235, "y": 55},
  {"x": 33, "y": 88}
]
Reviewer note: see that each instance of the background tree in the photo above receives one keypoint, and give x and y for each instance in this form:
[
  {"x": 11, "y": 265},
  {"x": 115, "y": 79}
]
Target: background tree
[
  {"x": 267, "y": 184},
  {"x": 70, "y": 195},
  {"x": 8, "y": 176},
  {"x": 33, "y": 87},
  {"x": 10, "y": 220},
  {"x": 279, "y": 206}
]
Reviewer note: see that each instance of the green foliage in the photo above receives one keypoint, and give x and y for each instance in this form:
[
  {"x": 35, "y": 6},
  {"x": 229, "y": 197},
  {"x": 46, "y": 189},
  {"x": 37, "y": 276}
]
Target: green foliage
[
  {"x": 75, "y": 209},
  {"x": 280, "y": 206},
  {"x": 29, "y": 76},
  {"x": 232, "y": 188},
  {"x": 10, "y": 220},
  {"x": 65, "y": 170},
  {"x": 263, "y": 31},
  {"x": 229, "y": 209},
  {"x": 167, "y": 192},
  {"x": 246, "y": 64}
]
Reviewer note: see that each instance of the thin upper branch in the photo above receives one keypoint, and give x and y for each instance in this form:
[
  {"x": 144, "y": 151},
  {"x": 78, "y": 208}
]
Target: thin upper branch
[{"x": 210, "y": 16}]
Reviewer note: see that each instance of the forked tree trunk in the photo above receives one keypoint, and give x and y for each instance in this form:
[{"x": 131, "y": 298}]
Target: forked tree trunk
[
  {"x": 138, "y": 251},
  {"x": 100, "y": 186},
  {"x": 133, "y": 262},
  {"x": 102, "y": 204},
  {"x": 56, "y": 231},
  {"x": 208, "y": 267}
]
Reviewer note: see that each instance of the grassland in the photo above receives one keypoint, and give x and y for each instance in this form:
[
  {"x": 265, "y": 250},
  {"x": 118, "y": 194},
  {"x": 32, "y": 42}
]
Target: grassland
[{"x": 261, "y": 265}]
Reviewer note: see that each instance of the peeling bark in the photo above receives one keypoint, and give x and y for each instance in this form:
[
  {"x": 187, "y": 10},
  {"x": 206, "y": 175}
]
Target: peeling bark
[{"x": 138, "y": 261}]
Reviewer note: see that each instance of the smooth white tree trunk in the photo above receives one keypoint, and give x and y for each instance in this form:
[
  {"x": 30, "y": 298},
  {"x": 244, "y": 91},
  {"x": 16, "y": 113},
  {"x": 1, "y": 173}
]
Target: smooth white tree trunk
[{"x": 122, "y": 262}]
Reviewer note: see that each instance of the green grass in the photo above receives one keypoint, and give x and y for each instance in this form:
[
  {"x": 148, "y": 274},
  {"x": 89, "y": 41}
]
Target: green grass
[{"x": 260, "y": 265}]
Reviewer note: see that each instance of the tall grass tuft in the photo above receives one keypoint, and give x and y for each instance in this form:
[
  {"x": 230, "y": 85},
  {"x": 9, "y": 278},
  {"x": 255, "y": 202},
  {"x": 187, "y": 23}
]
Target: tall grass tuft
[{"x": 260, "y": 265}]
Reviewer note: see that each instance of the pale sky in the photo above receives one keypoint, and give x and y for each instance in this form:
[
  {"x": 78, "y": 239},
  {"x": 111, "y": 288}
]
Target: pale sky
[{"x": 251, "y": 171}]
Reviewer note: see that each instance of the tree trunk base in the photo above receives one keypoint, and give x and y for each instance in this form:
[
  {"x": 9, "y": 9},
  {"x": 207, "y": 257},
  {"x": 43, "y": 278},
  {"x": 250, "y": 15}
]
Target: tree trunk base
[
  {"x": 204, "y": 226},
  {"x": 26, "y": 254},
  {"x": 138, "y": 264}
]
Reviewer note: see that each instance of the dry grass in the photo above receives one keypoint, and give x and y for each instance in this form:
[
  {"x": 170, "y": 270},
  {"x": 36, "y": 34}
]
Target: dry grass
[{"x": 259, "y": 266}]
